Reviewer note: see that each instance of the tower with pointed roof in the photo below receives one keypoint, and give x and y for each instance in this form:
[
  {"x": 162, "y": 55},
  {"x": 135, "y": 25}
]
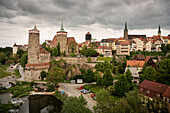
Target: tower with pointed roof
[
  {"x": 62, "y": 38},
  {"x": 88, "y": 36},
  {"x": 126, "y": 31},
  {"x": 33, "y": 46},
  {"x": 159, "y": 31}
]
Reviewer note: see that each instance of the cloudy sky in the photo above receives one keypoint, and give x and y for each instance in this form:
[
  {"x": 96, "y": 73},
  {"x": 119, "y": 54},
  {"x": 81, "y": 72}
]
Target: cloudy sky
[{"x": 102, "y": 18}]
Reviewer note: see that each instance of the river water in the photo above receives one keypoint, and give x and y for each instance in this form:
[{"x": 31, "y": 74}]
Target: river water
[{"x": 36, "y": 103}]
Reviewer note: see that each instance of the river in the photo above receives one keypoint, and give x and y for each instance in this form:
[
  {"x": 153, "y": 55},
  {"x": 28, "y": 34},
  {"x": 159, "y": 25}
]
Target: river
[{"x": 36, "y": 103}]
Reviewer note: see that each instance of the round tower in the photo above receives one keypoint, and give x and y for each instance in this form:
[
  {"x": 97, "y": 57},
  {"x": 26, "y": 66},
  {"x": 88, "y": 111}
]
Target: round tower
[
  {"x": 33, "y": 46},
  {"x": 88, "y": 36}
]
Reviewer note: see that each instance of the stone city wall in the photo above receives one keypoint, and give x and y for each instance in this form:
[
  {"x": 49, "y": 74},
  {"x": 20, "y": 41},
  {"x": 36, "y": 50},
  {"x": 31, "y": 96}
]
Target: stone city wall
[
  {"x": 76, "y": 60},
  {"x": 33, "y": 74}
]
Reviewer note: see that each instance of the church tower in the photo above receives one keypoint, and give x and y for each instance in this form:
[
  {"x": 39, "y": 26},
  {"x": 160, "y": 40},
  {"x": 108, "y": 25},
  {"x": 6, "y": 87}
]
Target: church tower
[
  {"x": 159, "y": 31},
  {"x": 126, "y": 31},
  {"x": 62, "y": 38},
  {"x": 88, "y": 36},
  {"x": 33, "y": 46}
]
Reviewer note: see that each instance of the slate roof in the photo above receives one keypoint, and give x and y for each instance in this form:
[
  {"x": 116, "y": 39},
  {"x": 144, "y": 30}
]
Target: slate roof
[{"x": 140, "y": 57}]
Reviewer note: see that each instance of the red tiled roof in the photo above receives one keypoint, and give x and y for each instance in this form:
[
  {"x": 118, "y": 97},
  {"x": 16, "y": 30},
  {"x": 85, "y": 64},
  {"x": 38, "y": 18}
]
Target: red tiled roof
[
  {"x": 124, "y": 42},
  {"x": 120, "y": 38},
  {"x": 42, "y": 50},
  {"x": 167, "y": 92},
  {"x": 103, "y": 47},
  {"x": 147, "y": 58},
  {"x": 154, "y": 86},
  {"x": 25, "y": 45},
  {"x": 79, "y": 45},
  {"x": 37, "y": 64},
  {"x": 135, "y": 63},
  {"x": 86, "y": 42},
  {"x": 70, "y": 39},
  {"x": 166, "y": 37},
  {"x": 140, "y": 57}
]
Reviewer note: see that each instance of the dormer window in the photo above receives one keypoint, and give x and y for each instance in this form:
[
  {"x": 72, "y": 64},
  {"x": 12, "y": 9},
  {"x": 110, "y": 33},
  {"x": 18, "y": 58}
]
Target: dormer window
[
  {"x": 141, "y": 89},
  {"x": 148, "y": 91},
  {"x": 158, "y": 95}
]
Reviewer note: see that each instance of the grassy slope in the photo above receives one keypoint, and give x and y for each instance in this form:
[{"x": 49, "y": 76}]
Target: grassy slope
[
  {"x": 3, "y": 73},
  {"x": 108, "y": 59}
]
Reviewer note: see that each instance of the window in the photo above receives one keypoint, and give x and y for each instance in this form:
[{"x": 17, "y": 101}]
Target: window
[
  {"x": 169, "y": 100},
  {"x": 158, "y": 95},
  {"x": 165, "y": 99},
  {"x": 147, "y": 91},
  {"x": 141, "y": 89}
]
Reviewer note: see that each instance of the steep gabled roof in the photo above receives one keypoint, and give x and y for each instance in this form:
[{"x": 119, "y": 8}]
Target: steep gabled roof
[
  {"x": 167, "y": 92},
  {"x": 70, "y": 39},
  {"x": 135, "y": 63},
  {"x": 154, "y": 86},
  {"x": 103, "y": 47},
  {"x": 140, "y": 57},
  {"x": 42, "y": 50},
  {"x": 147, "y": 59}
]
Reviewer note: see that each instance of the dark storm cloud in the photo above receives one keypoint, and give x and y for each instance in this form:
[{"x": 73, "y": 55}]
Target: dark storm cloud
[{"x": 140, "y": 14}]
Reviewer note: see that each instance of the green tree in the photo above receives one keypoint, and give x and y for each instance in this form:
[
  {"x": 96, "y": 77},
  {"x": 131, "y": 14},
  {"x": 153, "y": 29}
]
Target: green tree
[
  {"x": 83, "y": 50},
  {"x": 20, "y": 52},
  {"x": 43, "y": 45},
  {"x": 129, "y": 76},
  {"x": 43, "y": 75},
  {"x": 56, "y": 74},
  {"x": 2, "y": 57},
  {"x": 54, "y": 52},
  {"x": 163, "y": 70},
  {"x": 121, "y": 86},
  {"x": 24, "y": 60},
  {"x": 58, "y": 49},
  {"x": 88, "y": 76},
  {"x": 105, "y": 102},
  {"x": 91, "y": 52},
  {"x": 107, "y": 79},
  {"x": 75, "y": 105},
  {"x": 72, "y": 46},
  {"x": 148, "y": 74}
]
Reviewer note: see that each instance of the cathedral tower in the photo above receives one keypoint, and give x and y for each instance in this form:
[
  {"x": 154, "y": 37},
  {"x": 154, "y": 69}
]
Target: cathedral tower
[
  {"x": 159, "y": 31},
  {"x": 126, "y": 31},
  {"x": 62, "y": 38},
  {"x": 33, "y": 46}
]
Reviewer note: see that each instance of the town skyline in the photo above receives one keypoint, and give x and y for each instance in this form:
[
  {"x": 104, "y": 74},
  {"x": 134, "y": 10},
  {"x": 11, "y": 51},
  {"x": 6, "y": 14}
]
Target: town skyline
[{"x": 101, "y": 19}]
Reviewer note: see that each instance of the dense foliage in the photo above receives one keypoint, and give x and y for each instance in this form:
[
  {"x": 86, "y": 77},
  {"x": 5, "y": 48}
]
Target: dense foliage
[
  {"x": 133, "y": 102},
  {"x": 43, "y": 75},
  {"x": 88, "y": 52},
  {"x": 4, "y": 108},
  {"x": 24, "y": 60},
  {"x": 75, "y": 105}
]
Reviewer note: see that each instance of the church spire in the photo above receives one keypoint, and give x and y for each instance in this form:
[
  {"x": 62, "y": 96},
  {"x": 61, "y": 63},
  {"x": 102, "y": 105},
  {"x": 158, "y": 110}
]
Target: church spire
[
  {"x": 126, "y": 31},
  {"x": 159, "y": 31},
  {"x": 35, "y": 28},
  {"x": 62, "y": 29},
  {"x": 125, "y": 25}
]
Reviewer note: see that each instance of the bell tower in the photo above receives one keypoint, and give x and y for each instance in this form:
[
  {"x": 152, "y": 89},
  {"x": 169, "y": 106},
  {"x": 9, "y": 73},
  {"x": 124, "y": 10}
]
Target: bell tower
[{"x": 126, "y": 31}]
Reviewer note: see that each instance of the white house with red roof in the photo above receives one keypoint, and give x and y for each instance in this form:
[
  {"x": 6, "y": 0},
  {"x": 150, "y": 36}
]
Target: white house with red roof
[{"x": 104, "y": 50}]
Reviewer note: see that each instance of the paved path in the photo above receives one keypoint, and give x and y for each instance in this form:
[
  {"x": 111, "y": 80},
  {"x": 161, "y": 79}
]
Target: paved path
[
  {"x": 71, "y": 90},
  {"x": 22, "y": 73}
]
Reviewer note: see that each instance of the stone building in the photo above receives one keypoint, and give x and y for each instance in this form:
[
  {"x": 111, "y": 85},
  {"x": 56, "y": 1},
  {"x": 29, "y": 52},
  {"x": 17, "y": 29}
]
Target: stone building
[
  {"x": 38, "y": 58},
  {"x": 68, "y": 45},
  {"x": 18, "y": 47}
]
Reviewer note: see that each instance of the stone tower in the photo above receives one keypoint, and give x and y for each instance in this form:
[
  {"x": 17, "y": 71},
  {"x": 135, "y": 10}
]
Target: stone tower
[
  {"x": 159, "y": 31},
  {"x": 88, "y": 36},
  {"x": 126, "y": 31},
  {"x": 33, "y": 46},
  {"x": 62, "y": 38}
]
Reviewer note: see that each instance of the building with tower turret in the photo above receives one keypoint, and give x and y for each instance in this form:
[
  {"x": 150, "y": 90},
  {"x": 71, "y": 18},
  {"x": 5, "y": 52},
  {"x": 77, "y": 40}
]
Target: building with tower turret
[
  {"x": 126, "y": 31},
  {"x": 38, "y": 58},
  {"x": 68, "y": 45},
  {"x": 88, "y": 36}
]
